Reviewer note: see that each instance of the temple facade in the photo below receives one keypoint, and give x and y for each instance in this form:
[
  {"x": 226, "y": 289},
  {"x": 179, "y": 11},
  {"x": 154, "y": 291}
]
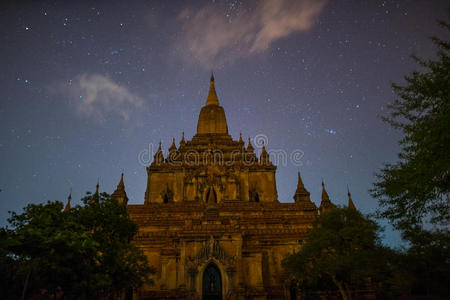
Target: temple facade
[{"x": 211, "y": 223}]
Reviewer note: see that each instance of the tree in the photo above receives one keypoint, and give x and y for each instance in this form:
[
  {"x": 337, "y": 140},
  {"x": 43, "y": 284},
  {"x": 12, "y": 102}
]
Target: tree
[
  {"x": 10, "y": 286},
  {"x": 83, "y": 252},
  {"x": 415, "y": 190},
  {"x": 428, "y": 262},
  {"x": 342, "y": 247}
]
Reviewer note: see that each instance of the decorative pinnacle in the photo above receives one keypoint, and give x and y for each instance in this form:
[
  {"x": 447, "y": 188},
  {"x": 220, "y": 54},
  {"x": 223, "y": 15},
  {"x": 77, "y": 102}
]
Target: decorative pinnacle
[
  {"x": 301, "y": 194},
  {"x": 325, "y": 196},
  {"x": 212, "y": 76},
  {"x": 351, "y": 205},
  {"x": 173, "y": 147},
  {"x": 68, "y": 201},
  {"x": 212, "y": 95},
  {"x": 299, "y": 181},
  {"x": 98, "y": 184},
  {"x": 250, "y": 146},
  {"x": 121, "y": 184},
  {"x": 300, "y": 187},
  {"x": 182, "y": 141}
]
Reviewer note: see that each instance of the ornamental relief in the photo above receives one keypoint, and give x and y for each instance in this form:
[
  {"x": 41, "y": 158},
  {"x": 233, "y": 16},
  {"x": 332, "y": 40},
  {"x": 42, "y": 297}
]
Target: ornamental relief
[
  {"x": 191, "y": 174},
  {"x": 224, "y": 180},
  {"x": 210, "y": 249},
  {"x": 211, "y": 173}
]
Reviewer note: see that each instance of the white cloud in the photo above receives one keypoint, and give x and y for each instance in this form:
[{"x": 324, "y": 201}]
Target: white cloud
[
  {"x": 211, "y": 38},
  {"x": 98, "y": 97},
  {"x": 280, "y": 18}
]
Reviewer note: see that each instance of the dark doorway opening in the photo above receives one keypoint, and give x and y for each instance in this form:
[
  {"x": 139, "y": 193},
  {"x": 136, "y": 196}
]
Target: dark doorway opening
[
  {"x": 256, "y": 197},
  {"x": 293, "y": 291},
  {"x": 212, "y": 283},
  {"x": 166, "y": 198}
]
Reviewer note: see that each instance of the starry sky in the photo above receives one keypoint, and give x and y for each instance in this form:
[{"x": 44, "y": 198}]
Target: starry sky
[{"x": 89, "y": 88}]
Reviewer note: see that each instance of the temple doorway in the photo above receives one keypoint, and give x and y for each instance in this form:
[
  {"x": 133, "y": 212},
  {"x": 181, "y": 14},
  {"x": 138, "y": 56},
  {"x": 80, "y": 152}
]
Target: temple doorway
[{"x": 212, "y": 283}]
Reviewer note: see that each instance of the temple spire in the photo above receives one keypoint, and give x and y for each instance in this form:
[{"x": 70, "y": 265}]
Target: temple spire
[
  {"x": 326, "y": 203},
  {"x": 212, "y": 96},
  {"x": 264, "y": 157},
  {"x": 173, "y": 152},
  {"x": 301, "y": 194},
  {"x": 120, "y": 193},
  {"x": 121, "y": 185},
  {"x": 325, "y": 196},
  {"x": 351, "y": 205},
  {"x": 158, "y": 158},
  {"x": 182, "y": 141},
  {"x": 96, "y": 195},
  {"x": 97, "y": 186},
  {"x": 212, "y": 118},
  {"x": 300, "y": 184},
  {"x": 173, "y": 147},
  {"x": 68, "y": 201},
  {"x": 250, "y": 146}
]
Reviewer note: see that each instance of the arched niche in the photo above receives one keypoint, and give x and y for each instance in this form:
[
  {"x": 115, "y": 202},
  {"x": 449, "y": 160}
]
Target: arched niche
[
  {"x": 211, "y": 195},
  {"x": 254, "y": 194},
  {"x": 167, "y": 194}
]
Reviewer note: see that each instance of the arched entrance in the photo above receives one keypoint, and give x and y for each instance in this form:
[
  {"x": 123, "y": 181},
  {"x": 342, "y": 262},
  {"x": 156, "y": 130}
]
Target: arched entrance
[
  {"x": 211, "y": 196},
  {"x": 212, "y": 283}
]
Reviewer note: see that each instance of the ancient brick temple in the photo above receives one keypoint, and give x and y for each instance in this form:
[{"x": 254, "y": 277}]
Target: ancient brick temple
[{"x": 211, "y": 223}]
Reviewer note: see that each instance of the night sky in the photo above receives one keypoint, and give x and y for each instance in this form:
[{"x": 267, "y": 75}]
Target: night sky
[{"x": 89, "y": 88}]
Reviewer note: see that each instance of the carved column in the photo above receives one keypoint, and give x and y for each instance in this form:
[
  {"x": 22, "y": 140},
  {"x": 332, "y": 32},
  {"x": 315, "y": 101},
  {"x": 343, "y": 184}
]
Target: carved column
[
  {"x": 164, "y": 262},
  {"x": 230, "y": 273},
  {"x": 257, "y": 264},
  {"x": 181, "y": 264},
  {"x": 192, "y": 275}
]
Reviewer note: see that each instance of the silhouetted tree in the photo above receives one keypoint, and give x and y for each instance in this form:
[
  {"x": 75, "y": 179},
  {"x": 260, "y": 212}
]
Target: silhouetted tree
[
  {"x": 416, "y": 188},
  {"x": 343, "y": 247},
  {"x": 427, "y": 262},
  {"x": 82, "y": 252}
]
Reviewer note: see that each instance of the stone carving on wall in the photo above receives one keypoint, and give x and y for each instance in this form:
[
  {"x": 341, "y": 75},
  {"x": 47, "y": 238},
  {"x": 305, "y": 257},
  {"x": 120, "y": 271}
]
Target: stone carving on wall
[
  {"x": 210, "y": 249},
  {"x": 224, "y": 180}
]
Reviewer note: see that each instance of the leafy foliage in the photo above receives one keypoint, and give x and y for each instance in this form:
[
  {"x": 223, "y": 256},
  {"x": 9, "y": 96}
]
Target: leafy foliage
[
  {"x": 83, "y": 252},
  {"x": 416, "y": 188},
  {"x": 343, "y": 247},
  {"x": 427, "y": 262}
]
